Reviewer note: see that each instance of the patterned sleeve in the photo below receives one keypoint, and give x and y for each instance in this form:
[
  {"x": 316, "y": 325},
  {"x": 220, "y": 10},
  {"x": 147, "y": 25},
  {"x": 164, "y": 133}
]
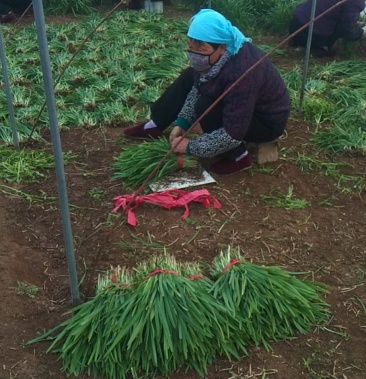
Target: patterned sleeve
[
  {"x": 187, "y": 115},
  {"x": 212, "y": 144}
]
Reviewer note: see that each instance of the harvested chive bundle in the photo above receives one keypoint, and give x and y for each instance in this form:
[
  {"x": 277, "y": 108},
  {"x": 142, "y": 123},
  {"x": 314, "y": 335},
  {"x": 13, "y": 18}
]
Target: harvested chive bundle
[
  {"x": 115, "y": 276},
  {"x": 172, "y": 322},
  {"x": 137, "y": 162},
  {"x": 271, "y": 303},
  {"x": 170, "y": 316},
  {"x": 84, "y": 337}
]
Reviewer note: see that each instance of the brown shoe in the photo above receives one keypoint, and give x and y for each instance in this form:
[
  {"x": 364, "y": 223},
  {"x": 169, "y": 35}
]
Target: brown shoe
[
  {"x": 9, "y": 17},
  {"x": 138, "y": 132}
]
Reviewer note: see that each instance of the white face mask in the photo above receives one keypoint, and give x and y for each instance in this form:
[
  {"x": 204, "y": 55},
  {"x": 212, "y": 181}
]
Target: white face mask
[{"x": 200, "y": 62}]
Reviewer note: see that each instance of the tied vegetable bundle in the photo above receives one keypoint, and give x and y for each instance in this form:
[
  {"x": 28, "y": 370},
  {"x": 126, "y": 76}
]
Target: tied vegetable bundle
[
  {"x": 157, "y": 322},
  {"x": 137, "y": 162},
  {"x": 83, "y": 341},
  {"x": 172, "y": 322},
  {"x": 169, "y": 316},
  {"x": 271, "y": 303}
]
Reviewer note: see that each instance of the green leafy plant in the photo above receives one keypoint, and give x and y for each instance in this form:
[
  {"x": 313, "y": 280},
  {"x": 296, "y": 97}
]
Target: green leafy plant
[
  {"x": 26, "y": 289},
  {"x": 23, "y": 133},
  {"x": 62, "y": 7},
  {"x": 254, "y": 15},
  {"x": 97, "y": 194},
  {"x": 186, "y": 328},
  {"x": 293, "y": 78},
  {"x": 317, "y": 109},
  {"x": 157, "y": 321},
  {"x": 84, "y": 337},
  {"x": 140, "y": 243},
  {"x": 32, "y": 199},
  {"x": 26, "y": 166},
  {"x": 168, "y": 316},
  {"x": 338, "y": 138},
  {"x": 285, "y": 200},
  {"x": 346, "y": 183},
  {"x": 351, "y": 183},
  {"x": 137, "y": 162},
  {"x": 270, "y": 303},
  {"x": 341, "y": 103},
  {"x": 105, "y": 84},
  {"x": 312, "y": 163}
]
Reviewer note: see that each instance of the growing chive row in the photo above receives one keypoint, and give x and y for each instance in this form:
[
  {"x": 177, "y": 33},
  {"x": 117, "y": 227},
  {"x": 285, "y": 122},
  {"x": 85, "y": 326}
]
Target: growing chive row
[
  {"x": 334, "y": 97},
  {"x": 168, "y": 316},
  {"x": 125, "y": 65}
]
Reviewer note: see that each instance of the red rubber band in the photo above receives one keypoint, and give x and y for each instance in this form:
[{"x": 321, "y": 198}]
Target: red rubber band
[
  {"x": 195, "y": 277},
  {"x": 160, "y": 271},
  {"x": 232, "y": 263},
  {"x": 119, "y": 285},
  {"x": 114, "y": 278},
  {"x": 180, "y": 161}
]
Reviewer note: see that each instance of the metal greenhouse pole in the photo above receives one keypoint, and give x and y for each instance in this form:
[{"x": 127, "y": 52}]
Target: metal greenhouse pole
[
  {"x": 56, "y": 145},
  {"x": 307, "y": 55},
  {"x": 9, "y": 97}
]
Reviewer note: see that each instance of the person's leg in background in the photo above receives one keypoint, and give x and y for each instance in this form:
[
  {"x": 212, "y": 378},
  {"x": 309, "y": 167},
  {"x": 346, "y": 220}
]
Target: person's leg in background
[
  {"x": 323, "y": 46},
  {"x": 135, "y": 4},
  {"x": 5, "y": 7},
  {"x": 300, "y": 38},
  {"x": 165, "y": 110},
  {"x": 6, "y": 11},
  {"x": 20, "y": 6},
  {"x": 320, "y": 46}
]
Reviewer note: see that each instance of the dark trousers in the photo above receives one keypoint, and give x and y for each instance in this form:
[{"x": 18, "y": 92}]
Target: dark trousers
[
  {"x": 165, "y": 110},
  {"x": 16, "y": 6},
  {"x": 317, "y": 42}
]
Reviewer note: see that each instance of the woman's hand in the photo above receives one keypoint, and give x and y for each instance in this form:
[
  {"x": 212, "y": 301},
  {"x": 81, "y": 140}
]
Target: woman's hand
[
  {"x": 175, "y": 133},
  {"x": 179, "y": 145}
]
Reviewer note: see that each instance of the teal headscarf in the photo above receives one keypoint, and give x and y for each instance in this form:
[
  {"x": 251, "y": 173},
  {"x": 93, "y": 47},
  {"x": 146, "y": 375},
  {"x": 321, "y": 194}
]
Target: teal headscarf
[{"x": 211, "y": 26}]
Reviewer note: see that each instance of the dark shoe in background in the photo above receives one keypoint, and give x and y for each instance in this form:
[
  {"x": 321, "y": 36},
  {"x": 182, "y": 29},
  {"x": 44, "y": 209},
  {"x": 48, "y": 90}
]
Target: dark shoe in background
[{"x": 7, "y": 18}]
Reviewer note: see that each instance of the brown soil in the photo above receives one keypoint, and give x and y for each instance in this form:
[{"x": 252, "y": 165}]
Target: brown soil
[{"x": 328, "y": 241}]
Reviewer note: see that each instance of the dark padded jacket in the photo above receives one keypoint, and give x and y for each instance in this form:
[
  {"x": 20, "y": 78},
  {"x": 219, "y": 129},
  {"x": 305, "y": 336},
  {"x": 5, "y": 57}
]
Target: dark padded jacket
[
  {"x": 262, "y": 93},
  {"x": 341, "y": 21}
]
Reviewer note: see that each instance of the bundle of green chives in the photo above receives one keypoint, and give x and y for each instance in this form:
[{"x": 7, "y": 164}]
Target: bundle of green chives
[
  {"x": 271, "y": 303},
  {"x": 137, "y": 162},
  {"x": 169, "y": 316},
  {"x": 84, "y": 337},
  {"x": 171, "y": 321},
  {"x": 116, "y": 276}
]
